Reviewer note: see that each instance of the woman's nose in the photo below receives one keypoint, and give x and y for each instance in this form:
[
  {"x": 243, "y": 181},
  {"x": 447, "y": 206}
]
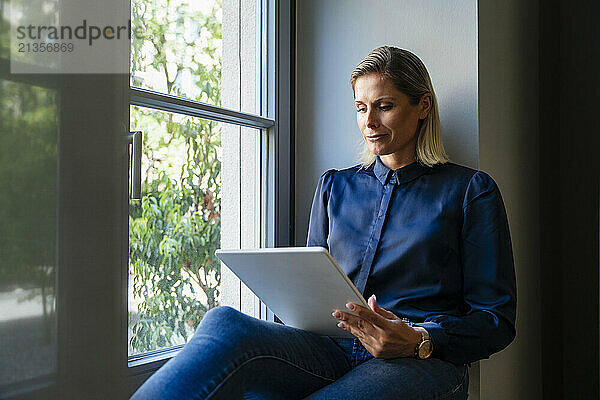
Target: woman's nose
[{"x": 372, "y": 119}]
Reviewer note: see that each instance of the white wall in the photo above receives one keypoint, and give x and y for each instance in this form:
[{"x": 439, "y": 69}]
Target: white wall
[{"x": 334, "y": 35}]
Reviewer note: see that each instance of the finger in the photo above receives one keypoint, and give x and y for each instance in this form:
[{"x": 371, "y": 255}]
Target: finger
[
  {"x": 356, "y": 323},
  {"x": 367, "y": 314},
  {"x": 357, "y": 328},
  {"x": 381, "y": 311},
  {"x": 372, "y": 302},
  {"x": 363, "y": 330},
  {"x": 351, "y": 319}
]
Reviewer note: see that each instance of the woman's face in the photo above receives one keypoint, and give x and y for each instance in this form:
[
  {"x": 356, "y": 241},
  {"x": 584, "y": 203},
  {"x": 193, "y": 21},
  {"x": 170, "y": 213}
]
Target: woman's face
[{"x": 387, "y": 120}]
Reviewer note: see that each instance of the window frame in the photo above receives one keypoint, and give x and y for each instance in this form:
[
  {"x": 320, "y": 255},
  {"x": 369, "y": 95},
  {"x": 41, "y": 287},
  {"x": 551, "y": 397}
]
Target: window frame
[
  {"x": 275, "y": 105},
  {"x": 260, "y": 121},
  {"x": 42, "y": 386},
  {"x": 83, "y": 313}
]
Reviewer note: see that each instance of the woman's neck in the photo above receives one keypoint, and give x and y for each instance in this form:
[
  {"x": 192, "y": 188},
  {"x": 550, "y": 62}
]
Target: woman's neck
[{"x": 395, "y": 161}]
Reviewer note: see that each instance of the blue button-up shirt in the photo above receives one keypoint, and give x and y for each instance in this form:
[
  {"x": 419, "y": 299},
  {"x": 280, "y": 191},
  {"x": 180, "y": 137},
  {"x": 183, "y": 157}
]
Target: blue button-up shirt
[{"x": 432, "y": 243}]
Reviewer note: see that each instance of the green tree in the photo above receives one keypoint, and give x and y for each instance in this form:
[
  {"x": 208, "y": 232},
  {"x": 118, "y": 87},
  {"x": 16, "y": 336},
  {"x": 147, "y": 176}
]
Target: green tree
[
  {"x": 28, "y": 168},
  {"x": 28, "y": 172},
  {"x": 175, "y": 229}
]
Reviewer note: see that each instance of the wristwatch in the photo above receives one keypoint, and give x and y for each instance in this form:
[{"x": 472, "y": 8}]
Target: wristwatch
[{"x": 425, "y": 346}]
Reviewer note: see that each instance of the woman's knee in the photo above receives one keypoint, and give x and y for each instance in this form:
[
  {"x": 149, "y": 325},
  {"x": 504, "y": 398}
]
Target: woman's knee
[
  {"x": 221, "y": 314},
  {"x": 227, "y": 333},
  {"x": 219, "y": 320},
  {"x": 225, "y": 321}
]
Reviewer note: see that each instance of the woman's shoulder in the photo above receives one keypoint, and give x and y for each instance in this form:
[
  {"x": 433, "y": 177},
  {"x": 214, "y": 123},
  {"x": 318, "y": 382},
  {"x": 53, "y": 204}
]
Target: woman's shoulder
[
  {"x": 462, "y": 173},
  {"x": 454, "y": 169},
  {"x": 337, "y": 179},
  {"x": 348, "y": 172},
  {"x": 472, "y": 183}
]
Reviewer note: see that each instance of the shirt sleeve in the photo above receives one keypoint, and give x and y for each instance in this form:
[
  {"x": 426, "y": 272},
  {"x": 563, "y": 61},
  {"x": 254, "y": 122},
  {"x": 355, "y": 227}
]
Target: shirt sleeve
[
  {"x": 489, "y": 285},
  {"x": 318, "y": 226}
]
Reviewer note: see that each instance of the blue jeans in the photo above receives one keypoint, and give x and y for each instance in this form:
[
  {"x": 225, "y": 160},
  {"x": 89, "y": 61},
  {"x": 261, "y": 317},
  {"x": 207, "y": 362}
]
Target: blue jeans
[{"x": 234, "y": 356}]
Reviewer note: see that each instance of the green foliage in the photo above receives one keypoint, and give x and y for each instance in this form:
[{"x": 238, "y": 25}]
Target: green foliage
[
  {"x": 28, "y": 166},
  {"x": 32, "y": 10},
  {"x": 28, "y": 170},
  {"x": 177, "y": 40},
  {"x": 175, "y": 229}
]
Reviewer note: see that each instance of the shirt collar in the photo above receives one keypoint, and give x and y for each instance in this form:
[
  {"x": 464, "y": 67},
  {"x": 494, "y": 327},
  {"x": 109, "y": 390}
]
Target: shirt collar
[{"x": 401, "y": 175}]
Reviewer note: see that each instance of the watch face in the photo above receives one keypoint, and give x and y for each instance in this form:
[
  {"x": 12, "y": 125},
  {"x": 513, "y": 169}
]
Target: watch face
[{"x": 425, "y": 349}]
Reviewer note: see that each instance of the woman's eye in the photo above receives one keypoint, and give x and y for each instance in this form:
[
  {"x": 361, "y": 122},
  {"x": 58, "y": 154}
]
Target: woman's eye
[
  {"x": 385, "y": 108},
  {"x": 361, "y": 109}
]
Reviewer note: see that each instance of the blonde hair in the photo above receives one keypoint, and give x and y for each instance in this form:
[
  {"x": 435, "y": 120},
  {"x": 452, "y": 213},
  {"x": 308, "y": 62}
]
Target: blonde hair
[{"x": 409, "y": 75}]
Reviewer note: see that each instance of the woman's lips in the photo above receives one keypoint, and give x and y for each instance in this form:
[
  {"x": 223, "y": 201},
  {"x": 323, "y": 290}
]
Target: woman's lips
[{"x": 374, "y": 138}]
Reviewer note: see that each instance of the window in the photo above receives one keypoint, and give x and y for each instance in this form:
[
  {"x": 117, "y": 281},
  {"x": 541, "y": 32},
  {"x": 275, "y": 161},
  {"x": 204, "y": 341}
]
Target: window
[
  {"x": 28, "y": 172},
  {"x": 28, "y": 211},
  {"x": 196, "y": 73},
  {"x": 214, "y": 116}
]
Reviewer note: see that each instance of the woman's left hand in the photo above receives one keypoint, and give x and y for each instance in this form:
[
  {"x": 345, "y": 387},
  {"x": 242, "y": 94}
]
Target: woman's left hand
[{"x": 381, "y": 332}]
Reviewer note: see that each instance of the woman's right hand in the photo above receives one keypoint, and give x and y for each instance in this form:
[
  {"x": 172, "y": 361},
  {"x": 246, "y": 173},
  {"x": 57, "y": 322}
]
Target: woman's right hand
[{"x": 381, "y": 332}]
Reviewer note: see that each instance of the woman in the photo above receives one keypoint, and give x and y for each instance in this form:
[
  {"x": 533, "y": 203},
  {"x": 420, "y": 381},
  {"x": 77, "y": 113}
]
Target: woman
[{"x": 426, "y": 240}]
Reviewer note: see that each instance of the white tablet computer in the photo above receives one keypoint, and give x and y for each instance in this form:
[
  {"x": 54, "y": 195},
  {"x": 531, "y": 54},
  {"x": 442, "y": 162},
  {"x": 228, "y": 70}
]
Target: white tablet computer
[{"x": 301, "y": 285}]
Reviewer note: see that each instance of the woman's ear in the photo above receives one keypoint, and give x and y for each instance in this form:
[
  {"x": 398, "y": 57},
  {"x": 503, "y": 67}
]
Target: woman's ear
[{"x": 425, "y": 105}]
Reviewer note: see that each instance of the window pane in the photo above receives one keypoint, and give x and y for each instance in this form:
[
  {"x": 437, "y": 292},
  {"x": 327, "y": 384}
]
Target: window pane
[
  {"x": 195, "y": 49},
  {"x": 28, "y": 170},
  {"x": 198, "y": 195}
]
